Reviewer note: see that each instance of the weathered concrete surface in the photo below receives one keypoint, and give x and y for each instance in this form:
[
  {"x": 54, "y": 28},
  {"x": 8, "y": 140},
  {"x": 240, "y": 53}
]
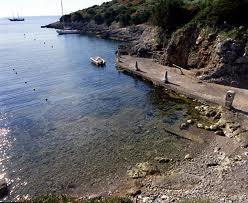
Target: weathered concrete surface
[{"x": 186, "y": 84}]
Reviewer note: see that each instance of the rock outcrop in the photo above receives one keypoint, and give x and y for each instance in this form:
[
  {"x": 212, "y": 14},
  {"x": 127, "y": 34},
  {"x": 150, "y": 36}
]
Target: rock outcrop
[
  {"x": 215, "y": 58},
  {"x": 228, "y": 63},
  {"x": 115, "y": 32},
  {"x": 142, "y": 170}
]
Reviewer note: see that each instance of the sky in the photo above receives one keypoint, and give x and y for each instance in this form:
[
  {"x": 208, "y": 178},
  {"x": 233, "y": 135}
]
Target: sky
[{"x": 43, "y": 7}]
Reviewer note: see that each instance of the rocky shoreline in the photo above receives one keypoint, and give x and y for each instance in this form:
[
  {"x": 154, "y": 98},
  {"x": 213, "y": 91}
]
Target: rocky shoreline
[
  {"x": 206, "y": 176},
  {"x": 114, "y": 32},
  {"x": 217, "y": 173}
]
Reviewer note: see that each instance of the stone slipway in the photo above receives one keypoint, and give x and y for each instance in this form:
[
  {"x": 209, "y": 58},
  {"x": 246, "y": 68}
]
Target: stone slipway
[{"x": 186, "y": 84}]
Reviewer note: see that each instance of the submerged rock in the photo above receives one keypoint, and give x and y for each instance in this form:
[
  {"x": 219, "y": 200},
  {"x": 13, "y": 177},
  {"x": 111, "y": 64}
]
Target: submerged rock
[
  {"x": 162, "y": 159},
  {"x": 190, "y": 121},
  {"x": 184, "y": 126},
  {"x": 3, "y": 188},
  {"x": 133, "y": 191},
  {"x": 142, "y": 170},
  {"x": 188, "y": 157}
]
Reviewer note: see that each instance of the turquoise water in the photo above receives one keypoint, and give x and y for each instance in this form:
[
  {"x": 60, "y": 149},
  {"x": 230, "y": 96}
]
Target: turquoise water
[{"x": 95, "y": 124}]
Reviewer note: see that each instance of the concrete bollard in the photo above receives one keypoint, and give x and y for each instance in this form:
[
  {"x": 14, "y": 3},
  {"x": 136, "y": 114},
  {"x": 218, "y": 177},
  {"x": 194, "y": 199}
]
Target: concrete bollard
[
  {"x": 118, "y": 58},
  {"x": 166, "y": 77},
  {"x": 136, "y": 66},
  {"x": 230, "y": 95}
]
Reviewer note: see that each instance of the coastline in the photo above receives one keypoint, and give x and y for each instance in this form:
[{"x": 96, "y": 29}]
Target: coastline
[{"x": 220, "y": 159}]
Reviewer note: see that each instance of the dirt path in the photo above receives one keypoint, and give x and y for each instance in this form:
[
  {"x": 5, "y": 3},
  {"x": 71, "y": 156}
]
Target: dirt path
[{"x": 185, "y": 84}]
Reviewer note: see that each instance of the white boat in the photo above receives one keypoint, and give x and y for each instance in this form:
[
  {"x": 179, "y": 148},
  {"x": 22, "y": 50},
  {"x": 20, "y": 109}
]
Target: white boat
[
  {"x": 16, "y": 19},
  {"x": 66, "y": 30},
  {"x": 98, "y": 61}
]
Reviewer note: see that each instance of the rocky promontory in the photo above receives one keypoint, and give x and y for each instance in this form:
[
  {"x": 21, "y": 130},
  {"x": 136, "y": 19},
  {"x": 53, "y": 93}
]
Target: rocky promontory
[{"x": 115, "y": 32}]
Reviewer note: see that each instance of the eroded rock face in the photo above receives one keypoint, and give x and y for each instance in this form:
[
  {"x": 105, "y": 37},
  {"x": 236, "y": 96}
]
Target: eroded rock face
[
  {"x": 228, "y": 63},
  {"x": 146, "y": 46},
  {"x": 218, "y": 59},
  {"x": 179, "y": 46}
]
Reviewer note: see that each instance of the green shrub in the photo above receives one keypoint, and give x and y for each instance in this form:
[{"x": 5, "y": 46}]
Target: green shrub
[
  {"x": 98, "y": 19},
  {"x": 76, "y": 17},
  {"x": 140, "y": 17},
  {"x": 66, "y": 18},
  {"x": 109, "y": 16},
  {"x": 170, "y": 14},
  {"x": 219, "y": 13},
  {"x": 124, "y": 18}
]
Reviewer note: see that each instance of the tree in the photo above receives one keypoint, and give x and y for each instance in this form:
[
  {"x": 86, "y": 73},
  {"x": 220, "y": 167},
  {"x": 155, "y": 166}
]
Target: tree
[
  {"x": 98, "y": 19},
  {"x": 140, "y": 17},
  {"x": 124, "y": 19},
  {"x": 76, "y": 17},
  {"x": 109, "y": 16},
  {"x": 66, "y": 18},
  {"x": 169, "y": 14}
]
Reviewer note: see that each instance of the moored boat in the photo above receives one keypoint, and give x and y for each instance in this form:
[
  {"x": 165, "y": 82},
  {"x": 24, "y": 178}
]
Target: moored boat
[
  {"x": 98, "y": 61},
  {"x": 68, "y": 31},
  {"x": 16, "y": 19}
]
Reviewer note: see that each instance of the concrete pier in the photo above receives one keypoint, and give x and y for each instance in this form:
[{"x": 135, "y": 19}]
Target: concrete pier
[{"x": 186, "y": 84}]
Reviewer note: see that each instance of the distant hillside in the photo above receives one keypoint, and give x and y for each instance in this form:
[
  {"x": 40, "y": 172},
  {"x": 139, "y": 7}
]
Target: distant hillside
[
  {"x": 126, "y": 12},
  {"x": 168, "y": 14}
]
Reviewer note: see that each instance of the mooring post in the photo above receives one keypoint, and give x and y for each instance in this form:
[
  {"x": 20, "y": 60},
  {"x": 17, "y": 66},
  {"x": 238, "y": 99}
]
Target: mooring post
[
  {"x": 136, "y": 66},
  {"x": 230, "y": 95},
  {"x": 118, "y": 56},
  {"x": 166, "y": 77}
]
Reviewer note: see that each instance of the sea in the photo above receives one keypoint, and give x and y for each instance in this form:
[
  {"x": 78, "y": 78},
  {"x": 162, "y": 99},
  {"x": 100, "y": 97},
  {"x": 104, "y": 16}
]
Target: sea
[{"x": 69, "y": 127}]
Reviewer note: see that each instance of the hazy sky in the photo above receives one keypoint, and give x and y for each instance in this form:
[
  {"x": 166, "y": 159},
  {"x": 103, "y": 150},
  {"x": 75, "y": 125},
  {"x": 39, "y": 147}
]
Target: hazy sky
[{"x": 42, "y": 7}]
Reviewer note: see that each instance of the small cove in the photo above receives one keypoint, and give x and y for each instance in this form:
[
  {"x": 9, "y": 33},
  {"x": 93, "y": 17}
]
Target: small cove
[{"x": 95, "y": 124}]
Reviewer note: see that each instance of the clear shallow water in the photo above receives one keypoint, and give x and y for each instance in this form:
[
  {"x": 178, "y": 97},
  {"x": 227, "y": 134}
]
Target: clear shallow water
[{"x": 96, "y": 123}]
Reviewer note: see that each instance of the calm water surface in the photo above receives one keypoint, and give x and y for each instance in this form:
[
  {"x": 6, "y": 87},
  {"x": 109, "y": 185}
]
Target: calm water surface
[{"x": 96, "y": 123}]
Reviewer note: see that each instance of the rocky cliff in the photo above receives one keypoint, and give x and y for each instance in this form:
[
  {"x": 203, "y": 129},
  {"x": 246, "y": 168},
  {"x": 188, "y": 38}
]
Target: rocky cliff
[{"x": 214, "y": 57}]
